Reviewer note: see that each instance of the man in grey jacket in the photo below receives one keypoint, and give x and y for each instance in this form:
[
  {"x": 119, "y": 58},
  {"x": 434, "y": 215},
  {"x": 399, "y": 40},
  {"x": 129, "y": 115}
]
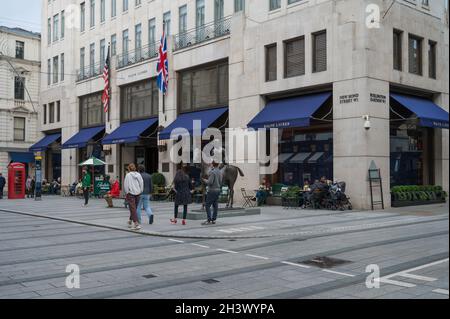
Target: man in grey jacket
[{"x": 214, "y": 183}]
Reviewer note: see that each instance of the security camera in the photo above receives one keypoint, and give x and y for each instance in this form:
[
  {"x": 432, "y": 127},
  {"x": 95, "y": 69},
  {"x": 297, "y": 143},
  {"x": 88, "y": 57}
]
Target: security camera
[{"x": 367, "y": 124}]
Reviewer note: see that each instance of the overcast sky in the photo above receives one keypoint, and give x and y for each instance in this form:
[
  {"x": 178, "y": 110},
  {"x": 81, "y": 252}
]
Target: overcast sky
[{"x": 25, "y": 14}]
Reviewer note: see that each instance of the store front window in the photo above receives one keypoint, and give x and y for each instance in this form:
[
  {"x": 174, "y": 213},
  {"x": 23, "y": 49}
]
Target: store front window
[
  {"x": 305, "y": 155},
  {"x": 411, "y": 155},
  {"x": 139, "y": 100},
  {"x": 91, "y": 108}
]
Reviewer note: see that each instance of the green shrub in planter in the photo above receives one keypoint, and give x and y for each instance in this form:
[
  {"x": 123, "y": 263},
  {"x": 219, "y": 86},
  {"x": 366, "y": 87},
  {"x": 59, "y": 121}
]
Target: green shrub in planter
[{"x": 158, "y": 179}]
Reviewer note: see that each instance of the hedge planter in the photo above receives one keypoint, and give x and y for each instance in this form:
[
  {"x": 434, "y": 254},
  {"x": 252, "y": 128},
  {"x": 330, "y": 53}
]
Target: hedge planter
[
  {"x": 416, "y": 203},
  {"x": 402, "y": 196}
]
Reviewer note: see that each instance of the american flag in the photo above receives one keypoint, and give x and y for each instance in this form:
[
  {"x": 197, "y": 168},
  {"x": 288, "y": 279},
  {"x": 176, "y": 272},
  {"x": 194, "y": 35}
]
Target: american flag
[
  {"x": 106, "y": 96},
  {"x": 163, "y": 65}
]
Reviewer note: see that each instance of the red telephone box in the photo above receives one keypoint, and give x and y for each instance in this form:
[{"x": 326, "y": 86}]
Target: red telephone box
[{"x": 16, "y": 181}]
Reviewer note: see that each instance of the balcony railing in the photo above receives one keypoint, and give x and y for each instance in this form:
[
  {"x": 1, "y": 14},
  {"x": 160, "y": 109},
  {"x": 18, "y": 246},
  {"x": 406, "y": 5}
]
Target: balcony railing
[
  {"x": 90, "y": 71},
  {"x": 144, "y": 53},
  {"x": 201, "y": 34}
]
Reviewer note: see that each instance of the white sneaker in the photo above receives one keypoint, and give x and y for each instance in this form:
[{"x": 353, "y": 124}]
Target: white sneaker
[{"x": 137, "y": 227}]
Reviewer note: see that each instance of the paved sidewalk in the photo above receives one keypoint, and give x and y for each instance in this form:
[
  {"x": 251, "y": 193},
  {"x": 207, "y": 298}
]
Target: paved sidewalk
[{"x": 273, "y": 221}]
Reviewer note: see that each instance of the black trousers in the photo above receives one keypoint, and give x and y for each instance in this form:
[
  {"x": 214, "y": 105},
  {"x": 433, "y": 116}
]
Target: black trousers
[
  {"x": 1, "y": 192},
  {"x": 86, "y": 195},
  {"x": 185, "y": 210}
]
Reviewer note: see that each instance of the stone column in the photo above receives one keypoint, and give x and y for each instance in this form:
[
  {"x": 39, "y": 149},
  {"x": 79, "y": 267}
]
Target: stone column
[
  {"x": 356, "y": 147},
  {"x": 441, "y": 140}
]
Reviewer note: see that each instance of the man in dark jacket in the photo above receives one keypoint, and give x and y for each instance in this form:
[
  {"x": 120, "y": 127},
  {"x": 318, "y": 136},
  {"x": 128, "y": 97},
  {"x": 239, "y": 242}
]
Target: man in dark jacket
[
  {"x": 2, "y": 185},
  {"x": 144, "y": 202},
  {"x": 214, "y": 183}
]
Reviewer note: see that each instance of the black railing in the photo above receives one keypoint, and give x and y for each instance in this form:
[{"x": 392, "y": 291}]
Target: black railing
[
  {"x": 90, "y": 71},
  {"x": 138, "y": 55},
  {"x": 201, "y": 34}
]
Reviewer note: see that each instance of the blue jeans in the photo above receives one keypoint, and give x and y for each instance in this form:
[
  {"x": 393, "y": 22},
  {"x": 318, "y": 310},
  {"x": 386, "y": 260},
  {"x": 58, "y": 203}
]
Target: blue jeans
[
  {"x": 212, "y": 199},
  {"x": 144, "y": 203}
]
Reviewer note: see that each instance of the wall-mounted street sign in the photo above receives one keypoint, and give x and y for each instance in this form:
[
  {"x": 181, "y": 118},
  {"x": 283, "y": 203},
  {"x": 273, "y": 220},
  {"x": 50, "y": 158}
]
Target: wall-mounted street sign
[{"x": 347, "y": 99}]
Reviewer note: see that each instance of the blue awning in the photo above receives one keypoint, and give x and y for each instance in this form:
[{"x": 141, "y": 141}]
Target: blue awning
[
  {"x": 44, "y": 143},
  {"x": 290, "y": 112},
  {"x": 82, "y": 138},
  {"x": 186, "y": 121},
  {"x": 129, "y": 132},
  {"x": 428, "y": 113},
  {"x": 25, "y": 157}
]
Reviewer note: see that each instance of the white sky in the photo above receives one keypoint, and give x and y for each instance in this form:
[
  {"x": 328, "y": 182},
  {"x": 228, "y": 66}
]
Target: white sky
[{"x": 24, "y": 14}]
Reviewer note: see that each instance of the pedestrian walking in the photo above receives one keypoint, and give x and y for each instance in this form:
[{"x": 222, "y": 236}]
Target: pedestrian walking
[
  {"x": 86, "y": 184},
  {"x": 2, "y": 185},
  {"x": 214, "y": 184},
  {"x": 28, "y": 186},
  {"x": 144, "y": 202},
  {"x": 183, "y": 195},
  {"x": 133, "y": 187}
]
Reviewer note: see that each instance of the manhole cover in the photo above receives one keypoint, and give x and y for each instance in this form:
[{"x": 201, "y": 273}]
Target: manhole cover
[
  {"x": 210, "y": 281},
  {"x": 325, "y": 262},
  {"x": 149, "y": 276}
]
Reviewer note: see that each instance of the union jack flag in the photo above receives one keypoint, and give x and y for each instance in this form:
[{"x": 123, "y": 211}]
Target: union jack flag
[
  {"x": 106, "y": 96},
  {"x": 163, "y": 65}
]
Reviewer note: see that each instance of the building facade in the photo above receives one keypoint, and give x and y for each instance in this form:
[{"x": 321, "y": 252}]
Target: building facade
[
  {"x": 19, "y": 96},
  {"x": 338, "y": 79}
]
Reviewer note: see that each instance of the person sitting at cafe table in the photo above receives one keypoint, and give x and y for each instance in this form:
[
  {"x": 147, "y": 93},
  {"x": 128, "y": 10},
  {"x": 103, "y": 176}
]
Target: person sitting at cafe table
[{"x": 263, "y": 192}]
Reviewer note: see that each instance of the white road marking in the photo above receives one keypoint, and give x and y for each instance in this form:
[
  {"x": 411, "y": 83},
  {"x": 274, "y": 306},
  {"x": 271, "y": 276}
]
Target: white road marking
[
  {"x": 417, "y": 277},
  {"x": 396, "y": 283},
  {"x": 293, "y": 264},
  {"x": 441, "y": 291},
  {"x": 240, "y": 229},
  {"x": 228, "y": 251},
  {"x": 201, "y": 246},
  {"x": 338, "y": 273},
  {"x": 176, "y": 241},
  {"x": 256, "y": 256}
]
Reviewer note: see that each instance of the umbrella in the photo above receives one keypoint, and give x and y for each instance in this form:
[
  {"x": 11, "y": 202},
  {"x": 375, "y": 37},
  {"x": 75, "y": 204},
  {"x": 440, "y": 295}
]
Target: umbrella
[{"x": 93, "y": 161}]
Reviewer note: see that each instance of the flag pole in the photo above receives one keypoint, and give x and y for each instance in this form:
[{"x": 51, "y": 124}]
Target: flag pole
[{"x": 109, "y": 80}]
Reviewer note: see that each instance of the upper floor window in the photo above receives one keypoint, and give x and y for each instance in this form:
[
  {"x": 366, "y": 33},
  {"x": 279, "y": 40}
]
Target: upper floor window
[
  {"x": 137, "y": 3},
  {"x": 239, "y": 5},
  {"x": 415, "y": 55},
  {"x": 204, "y": 87},
  {"x": 63, "y": 24},
  {"x": 294, "y": 57},
  {"x": 271, "y": 62},
  {"x": 91, "y": 110},
  {"x": 49, "y": 31},
  {"x": 62, "y": 66},
  {"x": 20, "y": 50},
  {"x": 200, "y": 13},
  {"x": 139, "y": 100},
  {"x": 49, "y": 71},
  {"x": 432, "y": 59},
  {"x": 51, "y": 113},
  {"x": 113, "y": 45},
  {"x": 397, "y": 50},
  {"x": 19, "y": 129},
  {"x": 124, "y": 5},
  {"x": 55, "y": 69},
  {"x": 182, "y": 25},
  {"x": 82, "y": 16},
  {"x": 19, "y": 88},
  {"x": 92, "y": 13},
  {"x": 274, "y": 4},
  {"x": 166, "y": 23},
  {"x": 320, "y": 51},
  {"x": 55, "y": 27},
  {"x": 102, "y": 53},
  {"x": 102, "y": 10},
  {"x": 113, "y": 8},
  {"x": 152, "y": 31},
  {"x": 219, "y": 11},
  {"x": 44, "y": 114}
]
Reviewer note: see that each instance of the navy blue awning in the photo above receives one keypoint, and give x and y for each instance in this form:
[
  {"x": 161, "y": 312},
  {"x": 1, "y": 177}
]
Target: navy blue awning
[
  {"x": 44, "y": 143},
  {"x": 82, "y": 138},
  {"x": 25, "y": 157},
  {"x": 428, "y": 113},
  {"x": 130, "y": 132},
  {"x": 186, "y": 121},
  {"x": 290, "y": 112}
]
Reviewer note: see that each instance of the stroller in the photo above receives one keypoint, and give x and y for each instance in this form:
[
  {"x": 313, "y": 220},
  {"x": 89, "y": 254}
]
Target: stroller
[{"x": 337, "y": 199}]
